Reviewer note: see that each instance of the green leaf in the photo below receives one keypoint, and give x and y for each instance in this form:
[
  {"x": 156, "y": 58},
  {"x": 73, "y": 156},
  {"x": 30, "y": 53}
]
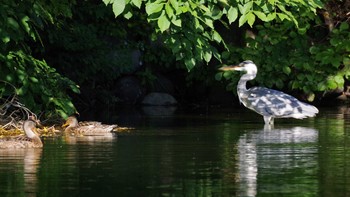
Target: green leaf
[
  {"x": 216, "y": 36},
  {"x": 6, "y": 39},
  {"x": 260, "y": 15},
  {"x": 334, "y": 41},
  {"x": 302, "y": 31},
  {"x": 314, "y": 50},
  {"x": 242, "y": 20},
  {"x": 207, "y": 56},
  {"x": 197, "y": 24},
  {"x": 175, "y": 4},
  {"x": 344, "y": 26},
  {"x": 128, "y": 15},
  {"x": 218, "y": 76},
  {"x": 321, "y": 86},
  {"x": 227, "y": 75},
  {"x": 154, "y": 7},
  {"x": 246, "y": 7},
  {"x": 118, "y": 7},
  {"x": 209, "y": 22},
  {"x": 311, "y": 97},
  {"x": 295, "y": 85},
  {"x": 163, "y": 22},
  {"x": 232, "y": 14},
  {"x": 216, "y": 54},
  {"x": 282, "y": 16},
  {"x": 176, "y": 22},
  {"x": 25, "y": 23},
  {"x": 346, "y": 61},
  {"x": 75, "y": 88},
  {"x": 169, "y": 10},
  {"x": 331, "y": 84},
  {"x": 287, "y": 70},
  {"x": 271, "y": 16},
  {"x": 34, "y": 80},
  {"x": 190, "y": 63},
  {"x": 339, "y": 80},
  {"x": 137, "y": 3},
  {"x": 106, "y": 2},
  {"x": 251, "y": 18},
  {"x": 12, "y": 23},
  {"x": 215, "y": 13}
]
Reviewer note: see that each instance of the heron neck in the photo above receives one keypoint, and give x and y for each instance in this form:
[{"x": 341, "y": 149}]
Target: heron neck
[{"x": 242, "y": 84}]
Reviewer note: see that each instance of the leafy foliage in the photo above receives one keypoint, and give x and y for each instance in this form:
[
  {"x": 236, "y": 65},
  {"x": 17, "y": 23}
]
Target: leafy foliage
[
  {"x": 297, "y": 60},
  {"x": 38, "y": 85},
  {"x": 299, "y": 57},
  {"x": 188, "y": 26}
]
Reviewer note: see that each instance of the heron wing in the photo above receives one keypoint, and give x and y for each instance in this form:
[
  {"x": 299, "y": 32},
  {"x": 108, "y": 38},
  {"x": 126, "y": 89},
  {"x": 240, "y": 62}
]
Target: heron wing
[{"x": 269, "y": 102}]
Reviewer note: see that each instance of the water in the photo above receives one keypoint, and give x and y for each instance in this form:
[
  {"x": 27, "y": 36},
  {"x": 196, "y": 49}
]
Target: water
[{"x": 223, "y": 153}]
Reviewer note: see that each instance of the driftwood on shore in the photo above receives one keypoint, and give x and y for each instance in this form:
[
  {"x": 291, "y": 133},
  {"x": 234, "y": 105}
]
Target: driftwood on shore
[{"x": 12, "y": 111}]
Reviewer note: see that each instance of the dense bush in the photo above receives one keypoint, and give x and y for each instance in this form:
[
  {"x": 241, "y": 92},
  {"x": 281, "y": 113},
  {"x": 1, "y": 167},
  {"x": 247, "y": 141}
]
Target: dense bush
[
  {"x": 37, "y": 84},
  {"x": 311, "y": 58},
  {"x": 188, "y": 27}
]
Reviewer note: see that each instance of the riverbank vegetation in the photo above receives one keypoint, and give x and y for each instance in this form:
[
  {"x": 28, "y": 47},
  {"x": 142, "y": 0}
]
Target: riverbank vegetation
[{"x": 64, "y": 56}]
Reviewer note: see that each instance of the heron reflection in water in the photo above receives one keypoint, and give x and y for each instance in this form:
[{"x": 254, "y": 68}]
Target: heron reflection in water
[
  {"x": 272, "y": 155},
  {"x": 267, "y": 102}
]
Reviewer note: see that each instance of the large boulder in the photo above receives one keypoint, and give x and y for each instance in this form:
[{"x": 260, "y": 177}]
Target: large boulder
[{"x": 159, "y": 99}]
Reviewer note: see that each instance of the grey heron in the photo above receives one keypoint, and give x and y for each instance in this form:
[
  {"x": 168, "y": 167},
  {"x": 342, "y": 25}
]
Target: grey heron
[{"x": 268, "y": 102}]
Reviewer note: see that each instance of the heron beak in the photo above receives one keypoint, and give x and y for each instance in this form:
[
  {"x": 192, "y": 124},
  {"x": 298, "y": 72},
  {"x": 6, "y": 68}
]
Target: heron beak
[{"x": 231, "y": 67}]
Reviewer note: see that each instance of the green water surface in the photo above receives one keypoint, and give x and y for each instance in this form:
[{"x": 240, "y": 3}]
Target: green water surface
[{"x": 219, "y": 153}]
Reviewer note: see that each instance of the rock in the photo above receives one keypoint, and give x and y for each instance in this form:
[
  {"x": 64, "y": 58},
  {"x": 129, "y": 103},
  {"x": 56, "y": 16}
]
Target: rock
[
  {"x": 162, "y": 84},
  {"x": 159, "y": 99}
]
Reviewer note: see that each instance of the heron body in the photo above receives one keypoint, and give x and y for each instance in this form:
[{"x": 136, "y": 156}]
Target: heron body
[
  {"x": 268, "y": 102},
  {"x": 30, "y": 140},
  {"x": 92, "y": 128}
]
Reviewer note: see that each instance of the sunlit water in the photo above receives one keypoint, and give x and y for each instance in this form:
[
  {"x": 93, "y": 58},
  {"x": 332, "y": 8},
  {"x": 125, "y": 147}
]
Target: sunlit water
[{"x": 225, "y": 153}]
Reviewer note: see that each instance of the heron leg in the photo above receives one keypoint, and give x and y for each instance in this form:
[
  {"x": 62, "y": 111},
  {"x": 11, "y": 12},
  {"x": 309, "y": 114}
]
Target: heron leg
[{"x": 268, "y": 120}]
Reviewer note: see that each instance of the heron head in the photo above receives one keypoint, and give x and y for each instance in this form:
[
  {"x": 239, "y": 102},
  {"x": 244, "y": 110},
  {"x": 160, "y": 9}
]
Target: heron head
[{"x": 248, "y": 66}]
